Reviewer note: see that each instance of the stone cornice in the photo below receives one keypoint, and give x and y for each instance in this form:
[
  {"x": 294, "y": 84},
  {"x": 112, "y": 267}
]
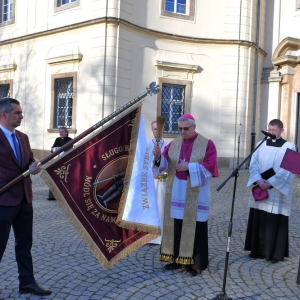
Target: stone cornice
[
  {"x": 271, "y": 79},
  {"x": 289, "y": 43},
  {"x": 9, "y": 67},
  {"x": 286, "y": 60},
  {"x": 55, "y": 130},
  {"x": 120, "y": 22},
  {"x": 174, "y": 65},
  {"x": 64, "y": 59},
  {"x": 282, "y": 54}
]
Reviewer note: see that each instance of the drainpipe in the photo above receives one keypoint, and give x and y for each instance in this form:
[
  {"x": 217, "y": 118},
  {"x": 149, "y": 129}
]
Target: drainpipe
[
  {"x": 237, "y": 90},
  {"x": 253, "y": 133},
  {"x": 104, "y": 66}
]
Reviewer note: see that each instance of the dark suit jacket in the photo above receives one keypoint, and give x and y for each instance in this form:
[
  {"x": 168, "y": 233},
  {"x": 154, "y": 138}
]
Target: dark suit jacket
[
  {"x": 10, "y": 169},
  {"x": 59, "y": 142}
]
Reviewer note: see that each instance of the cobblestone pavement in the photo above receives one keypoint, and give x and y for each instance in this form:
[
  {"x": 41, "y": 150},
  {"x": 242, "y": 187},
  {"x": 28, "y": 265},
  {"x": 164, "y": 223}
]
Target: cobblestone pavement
[{"x": 63, "y": 262}]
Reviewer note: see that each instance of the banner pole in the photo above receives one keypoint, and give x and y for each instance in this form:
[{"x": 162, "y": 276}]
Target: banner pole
[{"x": 152, "y": 89}]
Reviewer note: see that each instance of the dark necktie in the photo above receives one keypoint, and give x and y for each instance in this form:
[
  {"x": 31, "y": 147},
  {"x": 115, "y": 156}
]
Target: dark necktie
[{"x": 17, "y": 148}]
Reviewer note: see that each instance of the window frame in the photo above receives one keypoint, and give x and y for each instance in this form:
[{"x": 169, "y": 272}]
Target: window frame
[
  {"x": 12, "y": 20},
  {"x": 10, "y": 83},
  {"x": 187, "y": 101},
  {"x": 58, "y": 7},
  {"x": 189, "y": 15},
  {"x": 62, "y": 76},
  {"x": 175, "y": 7}
]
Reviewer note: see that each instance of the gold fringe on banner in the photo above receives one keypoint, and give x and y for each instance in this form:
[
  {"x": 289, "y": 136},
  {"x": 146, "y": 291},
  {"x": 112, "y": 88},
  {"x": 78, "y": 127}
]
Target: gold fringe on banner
[
  {"x": 84, "y": 234},
  {"x": 72, "y": 217}
]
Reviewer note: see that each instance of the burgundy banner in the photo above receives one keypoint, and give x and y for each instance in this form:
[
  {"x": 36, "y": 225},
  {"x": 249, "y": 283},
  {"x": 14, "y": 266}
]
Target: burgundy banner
[{"x": 93, "y": 209}]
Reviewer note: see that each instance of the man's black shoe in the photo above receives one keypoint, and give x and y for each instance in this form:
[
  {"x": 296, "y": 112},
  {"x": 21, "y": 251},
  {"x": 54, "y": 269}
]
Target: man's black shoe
[
  {"x": 33, "y": 288},
  {"x": 172, "y": 266},
  {"x": 274, "y": 261},
  {"x": 255, "y": 256},
  {"x": 192, "y": 272}
]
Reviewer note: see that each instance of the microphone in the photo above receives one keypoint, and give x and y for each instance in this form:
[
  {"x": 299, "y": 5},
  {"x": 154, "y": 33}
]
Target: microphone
[{"x": 270, "y": 135}]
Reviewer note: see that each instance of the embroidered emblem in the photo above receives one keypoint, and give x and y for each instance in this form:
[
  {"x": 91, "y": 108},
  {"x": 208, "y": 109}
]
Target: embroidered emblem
[
  {"x": 111, "y": 244},
  {"x": 63, "y": 172}
]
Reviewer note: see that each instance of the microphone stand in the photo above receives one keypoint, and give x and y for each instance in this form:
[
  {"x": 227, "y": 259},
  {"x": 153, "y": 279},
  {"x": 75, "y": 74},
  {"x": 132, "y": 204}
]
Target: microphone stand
[{"x": 235, "y": 174}]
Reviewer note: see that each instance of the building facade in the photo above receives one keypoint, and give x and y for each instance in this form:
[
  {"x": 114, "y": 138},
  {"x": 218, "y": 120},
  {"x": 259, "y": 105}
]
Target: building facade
[
  {"x": 280, "y": 92},
  {"x": 232, "y": 64}
]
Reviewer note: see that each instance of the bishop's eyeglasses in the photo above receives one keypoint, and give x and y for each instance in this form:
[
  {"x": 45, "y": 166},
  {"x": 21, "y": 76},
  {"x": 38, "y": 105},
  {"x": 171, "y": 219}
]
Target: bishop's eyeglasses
[{"x": 184, "y": 128}]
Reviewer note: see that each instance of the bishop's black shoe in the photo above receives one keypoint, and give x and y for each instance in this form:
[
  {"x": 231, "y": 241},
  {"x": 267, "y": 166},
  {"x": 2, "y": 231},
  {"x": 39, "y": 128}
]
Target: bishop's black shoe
[
  {"x": 33, "y": 288},
  {"x": 172, "y": 266}
]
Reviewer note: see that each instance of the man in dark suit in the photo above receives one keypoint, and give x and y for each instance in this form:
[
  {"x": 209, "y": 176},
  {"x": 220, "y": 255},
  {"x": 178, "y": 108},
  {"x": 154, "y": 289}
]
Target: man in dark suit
[{"x": 16, "y": 202}]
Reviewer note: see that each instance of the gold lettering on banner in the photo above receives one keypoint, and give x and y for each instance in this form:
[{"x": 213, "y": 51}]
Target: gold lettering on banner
[
  {"x": 96, "y": 213},
  {"x": 146, "y": 160},
  {"x": 108, "y": 219},
  {"x": 63, "y": 172},
  {"x": 111, "y": 244},
  {"x": 145, "y": 203},
  {"x": 144, "y": 181},
  {"x": 89, "y": 204},
  {"x": 87, "y": 185},
  {"x": 114, "y": 151}
]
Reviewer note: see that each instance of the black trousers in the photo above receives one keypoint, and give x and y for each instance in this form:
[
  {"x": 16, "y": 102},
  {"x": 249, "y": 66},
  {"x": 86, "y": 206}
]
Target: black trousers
[
  {"x": 200, "y": 252},
  {"x": 20, "y": 218}
]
